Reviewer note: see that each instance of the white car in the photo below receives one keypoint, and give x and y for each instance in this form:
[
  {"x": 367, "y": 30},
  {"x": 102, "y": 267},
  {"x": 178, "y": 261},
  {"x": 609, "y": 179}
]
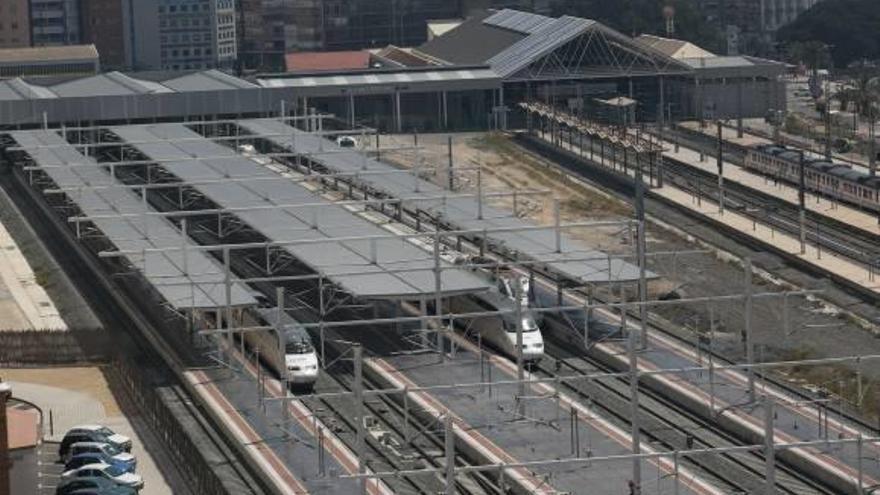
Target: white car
[
  {"x": 346, "y": 142},
  {"x": 116, "y": 474},
  {"x": 94, "y": 433},
  {"x": 119, "y": 457}
]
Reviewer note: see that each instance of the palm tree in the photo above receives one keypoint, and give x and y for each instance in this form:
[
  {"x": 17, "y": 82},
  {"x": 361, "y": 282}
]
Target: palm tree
[
  {"x": 864, "y": 94},
  {"x": 813, "y": 54}
]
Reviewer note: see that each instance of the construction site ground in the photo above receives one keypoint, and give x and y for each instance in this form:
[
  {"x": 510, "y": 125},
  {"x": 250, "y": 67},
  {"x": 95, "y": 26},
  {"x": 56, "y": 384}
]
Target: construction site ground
[{"x": 816, "y": 328}]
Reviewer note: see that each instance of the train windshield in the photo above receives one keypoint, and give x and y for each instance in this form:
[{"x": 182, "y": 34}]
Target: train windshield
[
  {"x": 298, "y": 344},
  {"x": 528, "y": 324},
  {"x": 508, "y": 287}
]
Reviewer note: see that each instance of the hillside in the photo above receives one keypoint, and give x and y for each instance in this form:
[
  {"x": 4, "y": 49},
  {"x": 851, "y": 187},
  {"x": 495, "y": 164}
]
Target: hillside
[{"x": 850, "y": 27}]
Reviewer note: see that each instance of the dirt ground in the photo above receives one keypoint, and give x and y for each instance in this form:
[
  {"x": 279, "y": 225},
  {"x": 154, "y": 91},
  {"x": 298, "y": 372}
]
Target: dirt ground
[
  {"x": 808, "y": 328},
  {"x": 87, "y": 379}
]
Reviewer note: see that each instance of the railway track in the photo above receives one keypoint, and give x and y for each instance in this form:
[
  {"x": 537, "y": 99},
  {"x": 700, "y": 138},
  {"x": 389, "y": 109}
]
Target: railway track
[
  {"x": 420, "y": 224},
  {"x": 623, "y": 189},
  {"x": 389, "y": 444},
  {"x": 829, "y": 234},
  {"x": 667, "y": 424},
  {"x": 135, "y": 338},
  {"x": 735, "y": 153}
]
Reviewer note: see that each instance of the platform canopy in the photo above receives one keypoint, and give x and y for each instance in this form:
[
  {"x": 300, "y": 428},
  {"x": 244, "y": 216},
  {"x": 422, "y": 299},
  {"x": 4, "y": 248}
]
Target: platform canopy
[
  {"x": 187, "y": 279},
  {"x": 461, "y": 212},
  {"x": 382, "y": 268}
]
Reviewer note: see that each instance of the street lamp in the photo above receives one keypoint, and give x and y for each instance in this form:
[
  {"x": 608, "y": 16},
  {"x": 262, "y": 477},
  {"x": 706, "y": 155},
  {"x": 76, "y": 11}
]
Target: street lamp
[{"x": 5, "y": 394}]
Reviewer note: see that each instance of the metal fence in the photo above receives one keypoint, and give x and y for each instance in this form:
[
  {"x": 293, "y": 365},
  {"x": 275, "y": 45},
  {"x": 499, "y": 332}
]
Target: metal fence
[
  {"x": 184, "y": 454},
  {"x": 53, "y": 347}
]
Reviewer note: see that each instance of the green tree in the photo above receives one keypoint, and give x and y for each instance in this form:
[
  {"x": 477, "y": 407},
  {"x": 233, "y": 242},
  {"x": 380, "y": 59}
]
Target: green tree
[
  {"x": 849, "y": 27},
  {"x": 813, "y": 54},
  {"x": 634, "y": 17},
  {"x": 863, "y": 94}
]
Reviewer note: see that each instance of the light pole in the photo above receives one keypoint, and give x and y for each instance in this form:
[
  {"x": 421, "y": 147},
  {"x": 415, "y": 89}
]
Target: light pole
[{"x": 5, "y": 394}]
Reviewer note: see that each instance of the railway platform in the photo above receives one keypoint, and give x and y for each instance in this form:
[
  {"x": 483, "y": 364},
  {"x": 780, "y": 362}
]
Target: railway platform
[
  {"x": 836, "y": 210},
  {"x": 297, "y": 451},
  {"x": 24, "y": 304},
  {"x": 822, "y": 259},
  {"x": 726, "y": 396},
  {"x": 842, "y": 268},
  {"x": 752, "y": 137},
  {"x": 543, "y": 424}
]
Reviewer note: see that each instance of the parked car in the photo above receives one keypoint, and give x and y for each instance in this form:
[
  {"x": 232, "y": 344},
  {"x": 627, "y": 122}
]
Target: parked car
[
  {"x": 104, "y": 486},
  {"x": 346, "y": 142},
  {"x": 81, "y": 460},
  {"x": 119, "y": 458},
  {"x": 116, "y": 490},
  {"x": 112, "y": 473},
  {"x": 93, "y": 433}
]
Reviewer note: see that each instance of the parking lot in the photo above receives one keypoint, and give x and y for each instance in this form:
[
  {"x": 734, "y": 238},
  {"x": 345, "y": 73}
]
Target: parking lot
[
  {"x": 48, "y": 469},
  {"x": 73, "y": 396}
]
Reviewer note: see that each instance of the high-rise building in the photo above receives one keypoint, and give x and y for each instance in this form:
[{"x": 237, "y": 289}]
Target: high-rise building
[
  {"x": 102, "y": 26},
  {"x": 272, "y": 28},
  {"x": 180, "y": 34},
  {"x": 55, "y": 22},
  {"x": 778, "y": 13},
  {"x": 751, "y": 24},
  {"x": 15, "y": 29}
]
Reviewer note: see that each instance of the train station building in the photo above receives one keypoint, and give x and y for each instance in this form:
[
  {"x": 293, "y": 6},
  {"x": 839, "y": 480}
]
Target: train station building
[{"x": 471, "y": 77}]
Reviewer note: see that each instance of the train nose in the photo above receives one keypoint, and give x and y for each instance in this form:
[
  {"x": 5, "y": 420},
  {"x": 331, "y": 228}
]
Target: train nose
[{"x": 533, "y": 351}]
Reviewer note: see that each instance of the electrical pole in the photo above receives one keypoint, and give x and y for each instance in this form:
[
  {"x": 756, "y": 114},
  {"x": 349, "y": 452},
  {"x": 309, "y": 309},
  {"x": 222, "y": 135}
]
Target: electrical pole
[
  {"x": 641, "y": 248},
  {"x": 769, "y": 447},
  {"x": 872, "y": 145},
  {"x": 747, "y": 323},
  {"x": 5, "y": 466},
  {"x": 359, "y": 415},
  {"x": 636, "y": 431},
  {"x": 520, "y": 365},
  {"x": 720, "y": 169},
  {"x": 802, "y": 209},
  {"x": 827, "y": 122}
]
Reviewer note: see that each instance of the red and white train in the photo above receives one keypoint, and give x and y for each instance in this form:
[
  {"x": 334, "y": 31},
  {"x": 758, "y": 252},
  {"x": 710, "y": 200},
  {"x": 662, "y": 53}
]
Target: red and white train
[{"x": 836, "y": 180}]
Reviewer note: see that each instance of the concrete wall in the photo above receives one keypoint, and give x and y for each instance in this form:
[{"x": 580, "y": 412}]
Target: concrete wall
[
  {"x": 749, "y": 99},
  {"x": 15, "y": 20},
  {"x": 141, "y": 21}
]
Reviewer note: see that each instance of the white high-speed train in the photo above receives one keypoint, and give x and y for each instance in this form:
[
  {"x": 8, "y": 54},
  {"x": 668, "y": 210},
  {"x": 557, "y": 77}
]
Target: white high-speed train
[
  {"x": 500, "y": 330},
  {"x": 298, "y": 362}
]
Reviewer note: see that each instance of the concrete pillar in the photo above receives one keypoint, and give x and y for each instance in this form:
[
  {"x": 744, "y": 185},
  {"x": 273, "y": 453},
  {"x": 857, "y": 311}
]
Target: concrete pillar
[
  {"x": 502, "y": 109},
  {"x": 398, "y": 119},
  {"x": 661, "y": 120},
  {"x": 445, "y": 111}
]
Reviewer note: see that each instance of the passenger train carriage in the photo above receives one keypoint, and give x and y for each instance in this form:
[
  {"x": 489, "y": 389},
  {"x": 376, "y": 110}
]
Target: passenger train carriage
[
  {"x": 500, "y": 330},
  {"x": 833, "y": 179},
  {"x": 294, "y": 359}
]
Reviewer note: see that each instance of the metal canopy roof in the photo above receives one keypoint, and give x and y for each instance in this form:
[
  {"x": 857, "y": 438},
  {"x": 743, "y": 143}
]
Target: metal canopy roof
[
  {"x": 405, "y": 81},
  {"x": 515, "y": 20},
  {"x": 378, "y": 263},
  {"x": 209, "y": 80},
  {"x": 186, "y": 280},
  {"x": 18, "y": 89},
  {"x": 111, "y": 83},
  {"x": 119, "y": 84},
  {"x": 538, "y": 44},
  {"x": 461, "y": 212}
]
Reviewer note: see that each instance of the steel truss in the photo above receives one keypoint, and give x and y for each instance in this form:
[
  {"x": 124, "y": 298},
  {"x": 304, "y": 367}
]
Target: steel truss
[{"x": 600, "y": 52}]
